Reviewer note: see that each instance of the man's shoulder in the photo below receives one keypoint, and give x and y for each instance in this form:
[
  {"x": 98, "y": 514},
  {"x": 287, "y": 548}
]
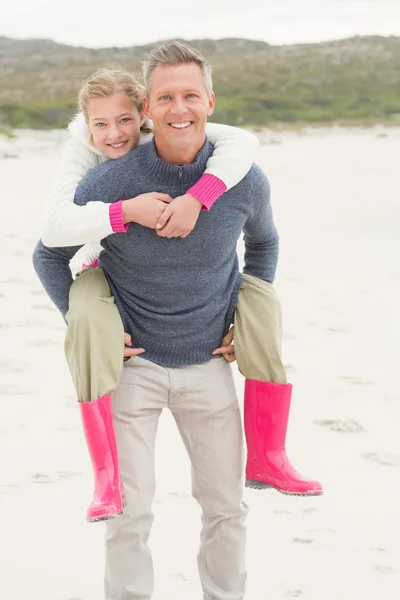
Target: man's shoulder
[
  {"x": 257, "y": 175},
  {"x": 254, "y": 178}
]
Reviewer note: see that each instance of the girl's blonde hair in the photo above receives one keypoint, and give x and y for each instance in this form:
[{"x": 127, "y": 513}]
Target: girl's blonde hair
[{"x": 106, "y": 82}]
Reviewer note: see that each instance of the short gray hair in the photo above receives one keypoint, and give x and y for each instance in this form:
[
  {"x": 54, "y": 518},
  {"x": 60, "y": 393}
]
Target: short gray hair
[{"x": 175, "y": 53}]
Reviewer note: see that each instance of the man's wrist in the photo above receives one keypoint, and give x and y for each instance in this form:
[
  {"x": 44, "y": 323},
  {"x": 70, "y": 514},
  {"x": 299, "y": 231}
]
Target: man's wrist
[{"x": 199, "y": 202}]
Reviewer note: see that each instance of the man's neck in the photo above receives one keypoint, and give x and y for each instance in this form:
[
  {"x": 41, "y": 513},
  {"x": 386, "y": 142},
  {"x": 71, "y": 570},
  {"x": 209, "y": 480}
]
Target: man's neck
[{"x": 177, "y": 156}]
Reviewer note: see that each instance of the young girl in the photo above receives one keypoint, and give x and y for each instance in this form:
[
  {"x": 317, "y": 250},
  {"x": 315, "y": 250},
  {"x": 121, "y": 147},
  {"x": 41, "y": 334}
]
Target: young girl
[{"x": 110, "y": 125}]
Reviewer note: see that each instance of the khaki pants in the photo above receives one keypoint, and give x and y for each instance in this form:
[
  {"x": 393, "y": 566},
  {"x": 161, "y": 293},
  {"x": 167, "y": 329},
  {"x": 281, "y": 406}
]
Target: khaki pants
[
  {"x": 94, "y": 343},
  {"x": 203, "y": 401},
  {"x": 258, "y": 331}
]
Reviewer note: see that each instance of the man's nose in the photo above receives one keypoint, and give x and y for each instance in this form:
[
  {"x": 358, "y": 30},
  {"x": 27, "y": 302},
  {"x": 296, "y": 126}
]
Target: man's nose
[{"x": 179, "y": 106}]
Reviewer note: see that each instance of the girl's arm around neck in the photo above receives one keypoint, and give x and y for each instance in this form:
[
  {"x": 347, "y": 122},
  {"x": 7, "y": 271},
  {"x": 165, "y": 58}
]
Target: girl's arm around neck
[
  {"x": 235, "y": 150},
  {"x": 64, "y": 223}
]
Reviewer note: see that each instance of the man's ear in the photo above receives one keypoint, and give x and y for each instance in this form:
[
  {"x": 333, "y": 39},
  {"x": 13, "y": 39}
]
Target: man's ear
[
  {"x": 211, "y": 104},
  {"x": 146, "y": 107}
]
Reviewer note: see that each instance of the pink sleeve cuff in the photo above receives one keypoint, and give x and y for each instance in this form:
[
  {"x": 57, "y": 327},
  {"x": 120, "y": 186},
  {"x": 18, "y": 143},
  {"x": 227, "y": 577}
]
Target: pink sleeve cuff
[
  {"x": 207, "y": 190},
  {"x": 117, "y": 218}
]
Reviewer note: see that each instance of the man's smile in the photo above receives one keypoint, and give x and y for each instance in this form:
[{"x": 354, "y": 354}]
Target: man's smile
[{"x": 181, "y": 124}]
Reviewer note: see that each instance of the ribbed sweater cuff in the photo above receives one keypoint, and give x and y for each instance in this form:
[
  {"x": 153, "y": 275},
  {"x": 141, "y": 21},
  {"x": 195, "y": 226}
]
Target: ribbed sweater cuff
[
  {"x": 117, "y": 218},
  {"x": 207, "y": 190}
]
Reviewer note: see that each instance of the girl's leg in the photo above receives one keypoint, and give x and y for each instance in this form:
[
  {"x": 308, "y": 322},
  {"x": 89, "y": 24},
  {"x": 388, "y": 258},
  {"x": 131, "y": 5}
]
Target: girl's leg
[
  {"x": 258, "y": 341},
  {"x": 94, "y": 348}
]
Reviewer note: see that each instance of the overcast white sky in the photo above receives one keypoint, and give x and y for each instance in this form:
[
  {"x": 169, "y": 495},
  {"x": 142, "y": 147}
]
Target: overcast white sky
[{"x": 124, "y": 23}]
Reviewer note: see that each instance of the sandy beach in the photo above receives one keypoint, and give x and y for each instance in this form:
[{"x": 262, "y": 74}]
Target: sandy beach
[{"x": 336, "y": 202}]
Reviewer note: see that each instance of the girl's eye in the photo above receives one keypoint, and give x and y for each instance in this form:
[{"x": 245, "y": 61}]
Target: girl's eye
[
  {"x": 125, "y": 120},
  {"x": 99, "y": 125}
]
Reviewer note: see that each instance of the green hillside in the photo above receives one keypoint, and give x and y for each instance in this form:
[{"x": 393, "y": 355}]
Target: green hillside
[{"x": 355, "y": 80}]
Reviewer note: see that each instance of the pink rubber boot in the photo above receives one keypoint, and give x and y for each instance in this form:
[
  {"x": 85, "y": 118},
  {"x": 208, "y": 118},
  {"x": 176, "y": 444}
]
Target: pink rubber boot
[
  {"x": 266, "y": 415},
  {"x": 98, "y": 426}
]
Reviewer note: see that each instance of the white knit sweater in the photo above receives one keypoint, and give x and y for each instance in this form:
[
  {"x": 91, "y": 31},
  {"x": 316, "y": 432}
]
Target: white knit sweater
[{"x": 66, "y": 224}]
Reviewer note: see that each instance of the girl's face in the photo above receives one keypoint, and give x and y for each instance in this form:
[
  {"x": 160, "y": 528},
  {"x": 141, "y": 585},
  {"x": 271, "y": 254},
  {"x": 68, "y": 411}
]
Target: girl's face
[{"x": 114, "y": 123}]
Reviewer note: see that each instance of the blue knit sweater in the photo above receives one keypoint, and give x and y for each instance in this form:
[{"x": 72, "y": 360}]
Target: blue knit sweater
[{"x": 176, "y": 297}]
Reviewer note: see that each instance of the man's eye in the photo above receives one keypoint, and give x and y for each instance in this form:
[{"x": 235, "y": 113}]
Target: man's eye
[
  {"x": 192, "y": 95},
  {"x": 166, "y": 97}
]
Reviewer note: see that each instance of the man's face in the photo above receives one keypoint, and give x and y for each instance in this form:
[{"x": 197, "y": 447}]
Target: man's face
[{"x": 179, "y": 104}]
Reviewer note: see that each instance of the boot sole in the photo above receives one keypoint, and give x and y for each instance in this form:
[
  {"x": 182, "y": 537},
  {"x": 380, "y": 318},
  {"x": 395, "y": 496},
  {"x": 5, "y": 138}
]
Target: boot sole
[
  {"x": 260, "y": 485},
  {"x": 104, "y": 517}
]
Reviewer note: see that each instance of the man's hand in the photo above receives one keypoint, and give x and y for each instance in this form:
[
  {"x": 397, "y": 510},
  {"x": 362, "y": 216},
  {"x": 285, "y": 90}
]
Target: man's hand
[
  {"x": 145, "y": 209},
  {"x": 227, "y": 349},
  {"x": 180, "y": 217},
  {"x": 131, "y": 351}
]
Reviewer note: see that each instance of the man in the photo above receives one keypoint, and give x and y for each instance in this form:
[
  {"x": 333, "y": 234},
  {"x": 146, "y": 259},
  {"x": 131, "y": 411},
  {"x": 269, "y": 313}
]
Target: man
[{"x": 176, "y": 298}]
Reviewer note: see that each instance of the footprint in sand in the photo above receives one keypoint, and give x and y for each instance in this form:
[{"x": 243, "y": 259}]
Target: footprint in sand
[
  {"x": 308, "y": 511},
  {"x": 43, "y": 342},
  {"x": 315, "y": 536},
  {"x": 13, "y": 390},
  {"x": 289, "y": 336},
  {"x": 385, "y": 569},
  {"x": 42, "y": 478},
  {"x": 341, "y": 426},
  {"x": 64, "y": 427},
  {"x": 389, "y": 460},
  {"x": 182, "y": 495},
  {"x": 356, "y": 381},
  {"x": 377, "y": 550},
  {"x": 68, "y": 474},
  {"x": 6, "y": 490},
  {"x": 44, "y": 307},
  {"x": 13, "y": 281},
  {"x": 6, "y": 367},
  {"x": 177, "y": 576},
  {"x": 37, "y": 293},
  {"x": 46, "y": 478}
]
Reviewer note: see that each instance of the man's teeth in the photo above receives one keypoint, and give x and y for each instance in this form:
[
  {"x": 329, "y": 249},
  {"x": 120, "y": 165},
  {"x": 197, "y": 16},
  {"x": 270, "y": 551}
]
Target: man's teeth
[{"x": 180, "y": 125}]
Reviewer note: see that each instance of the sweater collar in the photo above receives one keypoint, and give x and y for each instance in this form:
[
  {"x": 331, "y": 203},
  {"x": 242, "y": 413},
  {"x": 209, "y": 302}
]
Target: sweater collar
[{"x": 161, "y": 172}]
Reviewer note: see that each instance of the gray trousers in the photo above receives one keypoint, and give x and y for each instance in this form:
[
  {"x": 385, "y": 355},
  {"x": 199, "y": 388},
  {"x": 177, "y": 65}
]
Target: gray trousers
[{"x": 203, "y": 401}]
